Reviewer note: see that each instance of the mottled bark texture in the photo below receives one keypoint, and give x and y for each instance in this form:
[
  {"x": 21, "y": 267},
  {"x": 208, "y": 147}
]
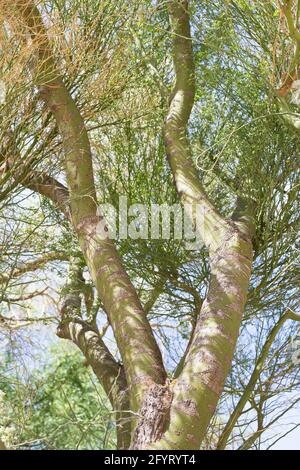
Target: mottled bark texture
[
  {"x": 198, "y": 387},
  {"x": 140, "y": 353},
  {"x": 86, "y": 336},
  {"x": 2, "y": 445},
  {"x": 175, "y": 415},
  {"x": 154, "y": 416}
]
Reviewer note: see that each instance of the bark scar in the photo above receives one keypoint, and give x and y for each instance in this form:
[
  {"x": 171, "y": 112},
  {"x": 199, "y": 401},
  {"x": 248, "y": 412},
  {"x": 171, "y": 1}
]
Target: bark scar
[{"x": 154, "y": 416}]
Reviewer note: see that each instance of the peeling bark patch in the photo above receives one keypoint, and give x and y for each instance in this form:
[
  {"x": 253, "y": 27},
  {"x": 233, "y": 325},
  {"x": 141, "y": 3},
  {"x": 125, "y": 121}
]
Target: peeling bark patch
[{"x": 154, "y": 416}]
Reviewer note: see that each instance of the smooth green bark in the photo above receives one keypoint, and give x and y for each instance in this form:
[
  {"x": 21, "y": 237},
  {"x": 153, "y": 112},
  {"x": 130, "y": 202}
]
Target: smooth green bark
[
  {"x": 198, "y": 387},
  {"x": 140, "y": 353}
]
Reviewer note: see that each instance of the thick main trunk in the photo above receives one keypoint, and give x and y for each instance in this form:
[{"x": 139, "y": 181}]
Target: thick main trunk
[
  {"x": 258, "y": 368},
  {"x": 87, "y": 338},
  {"x": 175, "y": 415},
  {"x": 141, "y": 356}
]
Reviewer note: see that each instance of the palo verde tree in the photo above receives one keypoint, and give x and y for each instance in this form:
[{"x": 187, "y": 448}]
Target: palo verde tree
[{"x": 160, "y": 102}]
